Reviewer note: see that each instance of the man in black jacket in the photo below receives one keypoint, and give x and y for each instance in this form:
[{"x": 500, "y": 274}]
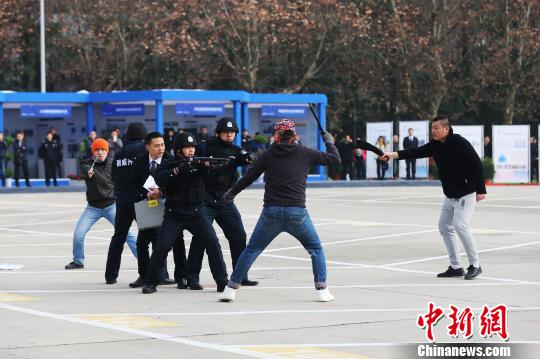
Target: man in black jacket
[
  {"x": 462, "y": 176},
  {"x": 183, "y": 184},
  {"x": 49, "y": 152},
  {"x": 3, "y": 150},
  {"x": 286, "y": 167},
  {"x": 100, "y": 197},
  {"x": 216, "y": 184},
  {"x": 147, "y": 165},
  {"x": 410, "y": 142},
  {"x": 127, "y": 192},
  {"x": 20, "y": 158}
]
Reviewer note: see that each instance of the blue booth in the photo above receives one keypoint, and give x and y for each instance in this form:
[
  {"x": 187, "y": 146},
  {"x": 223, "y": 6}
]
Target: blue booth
[{"x": 74, "y": 115}]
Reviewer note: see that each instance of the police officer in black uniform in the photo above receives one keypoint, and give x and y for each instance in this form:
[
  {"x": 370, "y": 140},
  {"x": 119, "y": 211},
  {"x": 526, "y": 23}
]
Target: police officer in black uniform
[
  {"x": 49, "y": 152},
  {"x": 126, "y": 192},
  {"x": 20, "y": 159},
  {"x": 183, "y": 184},
  {"x": 224, "y": 213},
  {"x": 146, "y": 165}
]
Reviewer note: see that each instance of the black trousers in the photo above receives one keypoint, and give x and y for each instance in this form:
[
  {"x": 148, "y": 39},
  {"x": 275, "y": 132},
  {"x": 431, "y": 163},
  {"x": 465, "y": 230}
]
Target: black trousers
[
  {"x": 381, "y": 168},
  {"x": 125, "y": 215},
  {"x": 346, "y": 167},
  {"x": 24, "y": 166},
  {"x": 147, "y": 236},
  {"x": 50, "y": 172},
  {"x": 228, "y": 218},
  {"x": 360, "y": 168},
  {"x": 194, "y": 220},
  {"x": 411, "y": 169}
]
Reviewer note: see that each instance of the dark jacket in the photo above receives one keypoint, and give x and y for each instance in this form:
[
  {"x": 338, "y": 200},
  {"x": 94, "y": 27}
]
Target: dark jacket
[
  {"x": 126, "y": 188},
  {"x": 20, "y": 151},
  {"x": 224, "y": 177},
  {"x": 460, "y": 169},
  {"x": 407, "y": 143},
  {"x": 3, "y": 149},
  {"x": 183, "y": 192},
  {"x": 99, "y": 188},
  {"x": 346, "y": 150},
  {"x": 49, "y": 151},
  {"x": 286, "y": 168},
  {"x": 142, "y": 171}
]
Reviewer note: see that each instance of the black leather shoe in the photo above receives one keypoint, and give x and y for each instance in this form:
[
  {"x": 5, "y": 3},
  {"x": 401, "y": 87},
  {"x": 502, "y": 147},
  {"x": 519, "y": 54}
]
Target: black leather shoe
[
  {"x": 166, "y": 281},
  {"x": 138, "y": 283},
  {"x": 195, "y": 286},
  {"x": 249, "y": 283},
  {"x": 74, "y": 265},
  {"x": 149, "y": 288},
  {"x": 473, "y": 272},
  {"x": 221, "y": 284},
  {"x": 451, "y": 272},
  {"x": 182, "y": 284},
  {"x": 110, "y": 281}
]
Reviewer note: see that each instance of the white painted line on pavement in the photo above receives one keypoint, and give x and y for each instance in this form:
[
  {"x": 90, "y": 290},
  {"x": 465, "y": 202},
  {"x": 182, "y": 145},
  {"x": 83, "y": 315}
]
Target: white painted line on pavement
[{"x": 133, "y": 331}]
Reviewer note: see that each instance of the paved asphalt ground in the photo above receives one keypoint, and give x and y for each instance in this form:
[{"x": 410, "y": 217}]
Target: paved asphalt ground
[{"x": 383, "y": 251}]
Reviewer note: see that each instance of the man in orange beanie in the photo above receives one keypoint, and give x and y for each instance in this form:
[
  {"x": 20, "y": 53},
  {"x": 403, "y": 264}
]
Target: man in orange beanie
[{"x": 100, "y": 197}]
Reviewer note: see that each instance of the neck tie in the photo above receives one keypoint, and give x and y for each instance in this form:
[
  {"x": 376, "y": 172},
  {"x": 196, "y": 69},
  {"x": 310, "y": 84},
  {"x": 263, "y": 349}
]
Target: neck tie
[{"x": 153, "y": 166}]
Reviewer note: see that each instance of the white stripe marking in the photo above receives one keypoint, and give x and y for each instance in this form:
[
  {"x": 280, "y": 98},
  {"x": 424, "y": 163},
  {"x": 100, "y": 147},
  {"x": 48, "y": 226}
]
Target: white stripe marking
[{"x": 138, "y": 332}]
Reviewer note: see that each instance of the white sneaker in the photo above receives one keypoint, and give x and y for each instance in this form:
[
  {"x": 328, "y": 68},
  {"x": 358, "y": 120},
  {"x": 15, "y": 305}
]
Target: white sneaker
[
  {"x": 324, "y": 295},
  {"x": 228, "y": 295}
]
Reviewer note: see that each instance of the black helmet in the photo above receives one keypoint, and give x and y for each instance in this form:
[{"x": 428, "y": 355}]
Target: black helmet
[
  {"x": 226, "y": 124},
  {"x": 184, "y": 139},
  {"x": 136, "y": 131}
]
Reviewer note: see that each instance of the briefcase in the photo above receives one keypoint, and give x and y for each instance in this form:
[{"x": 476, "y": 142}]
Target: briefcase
[{"x": 149, "y": 214}]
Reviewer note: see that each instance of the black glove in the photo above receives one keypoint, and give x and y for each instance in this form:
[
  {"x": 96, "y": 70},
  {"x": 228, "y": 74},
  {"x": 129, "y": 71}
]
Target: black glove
[
  {"x": 251, "y": 157},
  {"x": 228, "y": 196},
  {"x": 328, "y": 138}
]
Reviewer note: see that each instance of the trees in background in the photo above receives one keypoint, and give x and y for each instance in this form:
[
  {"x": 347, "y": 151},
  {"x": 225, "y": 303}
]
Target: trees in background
[{"x": 475, "y": 60}]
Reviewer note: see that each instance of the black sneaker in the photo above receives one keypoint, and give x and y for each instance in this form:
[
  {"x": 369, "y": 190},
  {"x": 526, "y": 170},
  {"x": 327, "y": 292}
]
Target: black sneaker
[
  {"x": 74, "y": 265},
  {"x": 472, "y": 272},
  {"x": 138, "y": 283},
  {"x": 110, "y": 281},
  {"x": 451, "y": 272},
  {"x": 249, "y": 283}
]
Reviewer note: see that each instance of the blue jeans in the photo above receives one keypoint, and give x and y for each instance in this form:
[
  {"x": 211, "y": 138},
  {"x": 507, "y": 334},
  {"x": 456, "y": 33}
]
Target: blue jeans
[
  {"x": 273, "y": 221},
  {"x": 90, "y": 216}
]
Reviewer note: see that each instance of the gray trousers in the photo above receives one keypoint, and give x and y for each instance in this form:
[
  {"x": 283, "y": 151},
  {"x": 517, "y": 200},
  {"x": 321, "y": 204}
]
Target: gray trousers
[{"x": 455, "y": 217}]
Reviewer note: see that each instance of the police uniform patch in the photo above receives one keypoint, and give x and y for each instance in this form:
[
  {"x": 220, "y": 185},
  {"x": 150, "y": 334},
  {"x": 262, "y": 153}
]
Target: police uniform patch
[
  {"x": 190, "y": 139},
  {"x": 229, "y": 124}
]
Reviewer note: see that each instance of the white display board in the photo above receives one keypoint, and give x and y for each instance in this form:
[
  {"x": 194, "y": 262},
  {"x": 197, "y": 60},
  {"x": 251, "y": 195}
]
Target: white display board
[
  {"x": 373, "y": 131},
  {"x": 511, "y": 155},
  {"x": 473, "y": 134},
  {"x": 420, "y": 131}
]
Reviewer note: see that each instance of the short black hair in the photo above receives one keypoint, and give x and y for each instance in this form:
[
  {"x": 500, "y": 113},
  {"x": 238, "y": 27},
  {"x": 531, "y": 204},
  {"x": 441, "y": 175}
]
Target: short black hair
[
  {"x": 444, "y": 120},
  {"x": 151, "y": 136}
]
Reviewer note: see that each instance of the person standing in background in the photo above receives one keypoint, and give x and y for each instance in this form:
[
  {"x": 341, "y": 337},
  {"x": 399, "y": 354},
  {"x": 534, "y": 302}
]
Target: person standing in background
[
  {"x": 395, "y": 147},
  {"x": 534, "y": 158},
  {"x": 382, "y": 166},
  {"x": 56, "y": 137},
  {"x": 346, "y": 149},
  {"x": 3, "y": 150},
  {"x": 115, "y": 144},
  {"x": 20, "y": 160},
  {"x": 487, "y": 147},
  {"x": 49, "y": 151},
  {"x": 410, "y": 142}
]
